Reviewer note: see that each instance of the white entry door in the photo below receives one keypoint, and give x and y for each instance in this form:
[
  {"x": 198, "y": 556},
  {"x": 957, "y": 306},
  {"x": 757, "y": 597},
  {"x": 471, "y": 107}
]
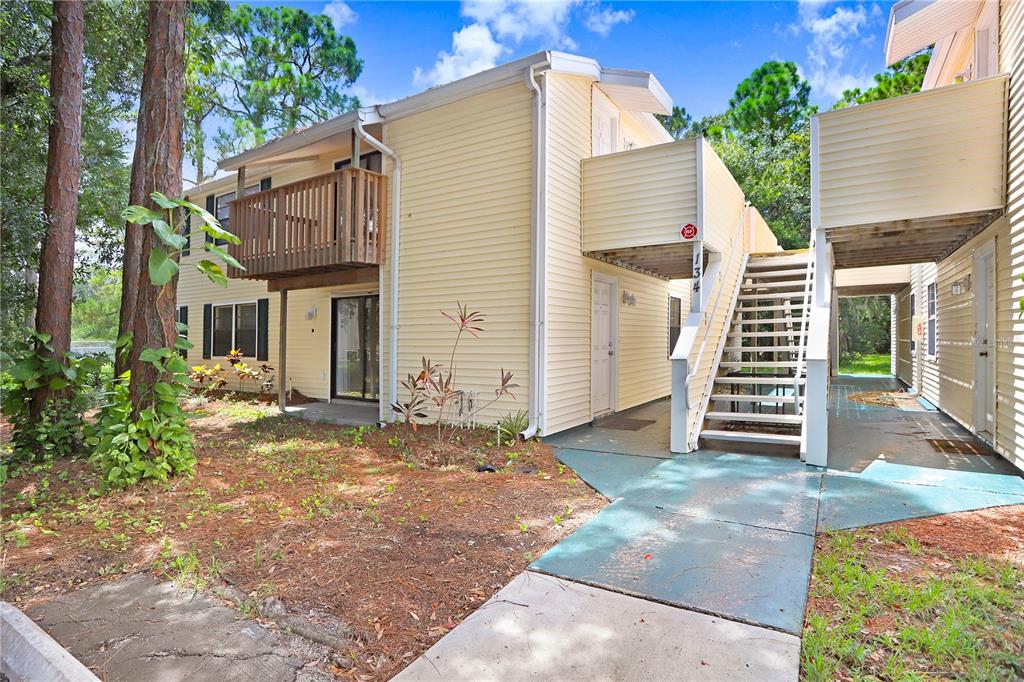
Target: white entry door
[
  {"x": 602, "y": 345},
  {"x": 984, "y": 347}
]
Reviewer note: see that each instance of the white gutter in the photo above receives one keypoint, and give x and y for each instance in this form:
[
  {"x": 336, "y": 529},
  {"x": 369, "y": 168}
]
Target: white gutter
[
  {"x": 396, "y": 204},
  {"x": 538, "y": 257}
]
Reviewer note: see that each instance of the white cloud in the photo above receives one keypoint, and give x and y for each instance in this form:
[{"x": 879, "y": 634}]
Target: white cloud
[
  {"x": 499, "y": 25},
  {"x": 602, "y": 21},
  {"x": 340, "y": 14},
  {"x": 832, "y": 34},
  {"x": 524, "y": 19},
  {"x": 473, "y": 49}
]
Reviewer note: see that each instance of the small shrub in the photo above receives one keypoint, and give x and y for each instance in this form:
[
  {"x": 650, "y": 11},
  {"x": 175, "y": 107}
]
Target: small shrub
[
  {"x": 511, "y": 425},
  {"x": 59, "y": 430}
]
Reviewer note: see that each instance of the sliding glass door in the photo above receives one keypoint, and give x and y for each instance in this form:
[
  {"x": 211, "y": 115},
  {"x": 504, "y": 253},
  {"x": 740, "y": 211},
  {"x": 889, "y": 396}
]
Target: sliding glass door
[{"x": 356, "y": 348}]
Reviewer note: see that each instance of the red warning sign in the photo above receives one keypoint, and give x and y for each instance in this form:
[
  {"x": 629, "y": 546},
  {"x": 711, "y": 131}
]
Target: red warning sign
[{"x": 689, "y": 231}]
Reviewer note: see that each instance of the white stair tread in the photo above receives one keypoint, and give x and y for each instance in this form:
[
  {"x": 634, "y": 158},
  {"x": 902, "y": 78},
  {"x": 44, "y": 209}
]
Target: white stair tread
[
  {"x": 798, "y": 272},
  {"x": 752, "y": 437},
  {"x": 773, "y": 381},
  {"x": 776, "y": 262},
  {"x": 750, "y": 398},
  {"x": 768, "y": 320},
  {"x": 760, "y": 335},
  {"x": 795, "y": 307},
  {"x": 742, "y": 363},
  {"x": 771, "y": 294},
  {"x": 761, "y": 349},
  {"x": 789, "y": 283},
  {"x": 760, "y": 418}
]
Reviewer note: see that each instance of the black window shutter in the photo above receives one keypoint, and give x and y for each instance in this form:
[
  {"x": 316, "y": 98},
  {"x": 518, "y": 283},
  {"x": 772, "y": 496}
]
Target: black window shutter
[
  {"x": 264, "y": 184},
  {"x": 183, "y": 318},
  {"x": 207, "y": 330},
  {"x": 187, "y": 233},
  {"x": 211, "y": 208},
  {"x": 262, "y": 335}
]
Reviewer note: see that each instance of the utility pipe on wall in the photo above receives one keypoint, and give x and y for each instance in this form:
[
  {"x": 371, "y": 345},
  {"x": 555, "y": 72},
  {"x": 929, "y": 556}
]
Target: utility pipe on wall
[
  {"x": 396, "y": 205},
  {"x": 538, "y": 257}
]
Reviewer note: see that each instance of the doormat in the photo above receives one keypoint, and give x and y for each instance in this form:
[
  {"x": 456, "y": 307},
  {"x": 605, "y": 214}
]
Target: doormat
[
  {"x": 955, "y": 447},
  {"x": 625, "y": 423},
  {"x": 897, "y": 399}
]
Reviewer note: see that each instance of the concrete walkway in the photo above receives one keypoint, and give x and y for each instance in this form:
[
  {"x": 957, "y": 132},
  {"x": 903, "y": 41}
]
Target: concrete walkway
[{"x": 714, "y": 549}]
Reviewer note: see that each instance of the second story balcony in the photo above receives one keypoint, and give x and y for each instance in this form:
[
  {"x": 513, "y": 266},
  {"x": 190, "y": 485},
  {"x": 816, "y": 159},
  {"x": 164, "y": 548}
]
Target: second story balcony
[
  {"x": 912, "y": 178},
  {"x": 327, "y": 223}
]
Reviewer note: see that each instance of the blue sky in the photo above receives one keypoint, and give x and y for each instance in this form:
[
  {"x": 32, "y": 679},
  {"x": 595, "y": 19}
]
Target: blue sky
[{"x": 698, "y": 50}]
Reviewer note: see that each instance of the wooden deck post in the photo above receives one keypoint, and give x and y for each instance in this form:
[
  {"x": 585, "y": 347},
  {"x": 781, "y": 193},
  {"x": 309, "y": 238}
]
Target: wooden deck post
[{"x": 282, "y": 353}]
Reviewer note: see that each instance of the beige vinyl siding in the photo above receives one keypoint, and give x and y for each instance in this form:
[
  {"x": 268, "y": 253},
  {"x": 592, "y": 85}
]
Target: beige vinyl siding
[
  {"x": 309, "y": 340},
  {"x": 877, "y": 275},
  {"x": 933, "y": 153},
  {"x": 723, "y": 202},
  {"x": 644, "y": 372},
  {"x": 465, "y": 222},
  {"x": 640, "y": 197},
  {"x": 761, "y": 239},
  {"x": 1010, "y": 252},
  {"x": 903, "y": 359}
]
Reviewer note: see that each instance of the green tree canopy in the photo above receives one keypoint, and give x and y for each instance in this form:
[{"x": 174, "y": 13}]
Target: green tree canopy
[
  {"x": 773, "y": 97},
  {"x": 281, "y": 68},
  {"x": 677, "y": 123},
  {"x": 902, "y": 78},
  {"x": 113, "y": 71}
]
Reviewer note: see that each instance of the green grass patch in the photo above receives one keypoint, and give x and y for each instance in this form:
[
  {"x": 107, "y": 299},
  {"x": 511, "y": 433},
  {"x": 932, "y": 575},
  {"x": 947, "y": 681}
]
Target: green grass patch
[
  {"x": 865, "y": 363},
  {"x": 882, "y": 607}
]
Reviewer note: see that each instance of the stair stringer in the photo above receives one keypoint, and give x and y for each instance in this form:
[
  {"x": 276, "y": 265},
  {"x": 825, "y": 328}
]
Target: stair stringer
[{"x": 708, "y": 389}]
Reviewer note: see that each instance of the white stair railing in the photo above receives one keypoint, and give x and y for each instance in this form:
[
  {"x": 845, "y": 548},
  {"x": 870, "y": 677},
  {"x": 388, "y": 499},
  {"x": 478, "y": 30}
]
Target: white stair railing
[{"x": 804, "y": 322}]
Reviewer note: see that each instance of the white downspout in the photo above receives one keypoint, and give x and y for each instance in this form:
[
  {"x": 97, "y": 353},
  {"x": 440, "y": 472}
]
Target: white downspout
[
  {"x": 385, "y": 413},
  {"x": 538, "y": 259}
]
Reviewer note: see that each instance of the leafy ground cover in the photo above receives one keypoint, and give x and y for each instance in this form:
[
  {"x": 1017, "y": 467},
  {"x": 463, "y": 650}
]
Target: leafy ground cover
[
  {"x": 865, "y": 363},
  {"x": 389, "y": 531},
  {"x": 936, "y": 598}
]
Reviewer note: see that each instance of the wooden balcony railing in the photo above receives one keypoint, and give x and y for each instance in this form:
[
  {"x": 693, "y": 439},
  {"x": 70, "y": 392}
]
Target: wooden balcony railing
[{"x": 326, "y": 223}]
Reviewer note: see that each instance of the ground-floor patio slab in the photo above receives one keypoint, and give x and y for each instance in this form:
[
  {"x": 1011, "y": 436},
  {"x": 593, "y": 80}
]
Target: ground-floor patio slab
[
  {"x": 641, "y": 431},
  {"x": 539, "y": 627},
  {"x": 340, "y": 412},
  {"x": 608, "y": 473},
  {"x": 745, "y": 573}
]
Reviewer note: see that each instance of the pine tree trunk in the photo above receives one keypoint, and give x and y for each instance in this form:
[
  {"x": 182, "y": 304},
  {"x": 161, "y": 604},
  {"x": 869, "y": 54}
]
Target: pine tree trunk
[
  {"x": 60, "y": 194},
  {"x": 147, "y": 312}
]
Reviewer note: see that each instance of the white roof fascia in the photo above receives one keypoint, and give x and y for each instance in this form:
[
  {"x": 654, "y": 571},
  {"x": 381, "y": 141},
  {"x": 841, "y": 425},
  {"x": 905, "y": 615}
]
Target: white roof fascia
[
  {"x": 641, "y": 80},
  {"x": 916, "y": 24}
]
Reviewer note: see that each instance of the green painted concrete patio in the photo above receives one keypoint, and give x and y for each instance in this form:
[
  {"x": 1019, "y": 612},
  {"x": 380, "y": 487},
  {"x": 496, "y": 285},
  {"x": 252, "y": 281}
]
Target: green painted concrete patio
[{"x": 732, "y": 534}]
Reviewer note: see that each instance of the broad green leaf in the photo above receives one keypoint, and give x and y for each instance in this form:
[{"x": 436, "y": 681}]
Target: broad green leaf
[
  {"x": 161, "y": 268},
  {"x": 217, "y": 232},
  {"x": 57, "y": 383},
  {"x": 24, "y": 370},
  {"x": 153, "y": 355},
  {"x": 224, "y": 255},
  {"x": 140, "y": 215},
  {"x": 182, "y": 342},
  {"x": 169, "y": 236},
  {"x": 163, "y": 202},
  {"x": 180, "y": 327},
  {"x": 213, "y": 272}
]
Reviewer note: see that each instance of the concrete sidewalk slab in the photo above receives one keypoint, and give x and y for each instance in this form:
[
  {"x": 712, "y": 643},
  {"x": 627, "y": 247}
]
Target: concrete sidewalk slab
[
  {"x": 779, "y": 493},
  {"x": 746, "y": 573},
  {"x": 852, "y": 501},
  {"x": 607, "y": 473},
  {"x": 137, "y": 628},
  {"x": 992, "y": 482},
  {"x": 541, "y": 628},
  {"x": 649, "y": 441}
]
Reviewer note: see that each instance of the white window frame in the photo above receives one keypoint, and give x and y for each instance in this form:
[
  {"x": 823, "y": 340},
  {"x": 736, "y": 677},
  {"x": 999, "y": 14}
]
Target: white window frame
[
  {"x": 234, "y": 322},
  {"x": 931, "y": 319}
]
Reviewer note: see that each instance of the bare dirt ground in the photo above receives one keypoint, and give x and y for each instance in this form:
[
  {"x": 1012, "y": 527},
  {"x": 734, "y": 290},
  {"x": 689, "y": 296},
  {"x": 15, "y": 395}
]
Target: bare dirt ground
[{"x": 387, "y": 531}]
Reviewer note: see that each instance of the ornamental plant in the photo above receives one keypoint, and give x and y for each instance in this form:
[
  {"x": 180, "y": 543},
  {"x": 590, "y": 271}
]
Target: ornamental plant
[
  {"x": 146, "y": 435},
  {"x": 59, "y": 431},
  {"x": 436, "y": 383}
]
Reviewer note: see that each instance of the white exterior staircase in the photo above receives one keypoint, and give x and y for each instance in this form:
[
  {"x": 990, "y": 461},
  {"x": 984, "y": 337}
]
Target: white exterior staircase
[{"x": 758, "y": 389}]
